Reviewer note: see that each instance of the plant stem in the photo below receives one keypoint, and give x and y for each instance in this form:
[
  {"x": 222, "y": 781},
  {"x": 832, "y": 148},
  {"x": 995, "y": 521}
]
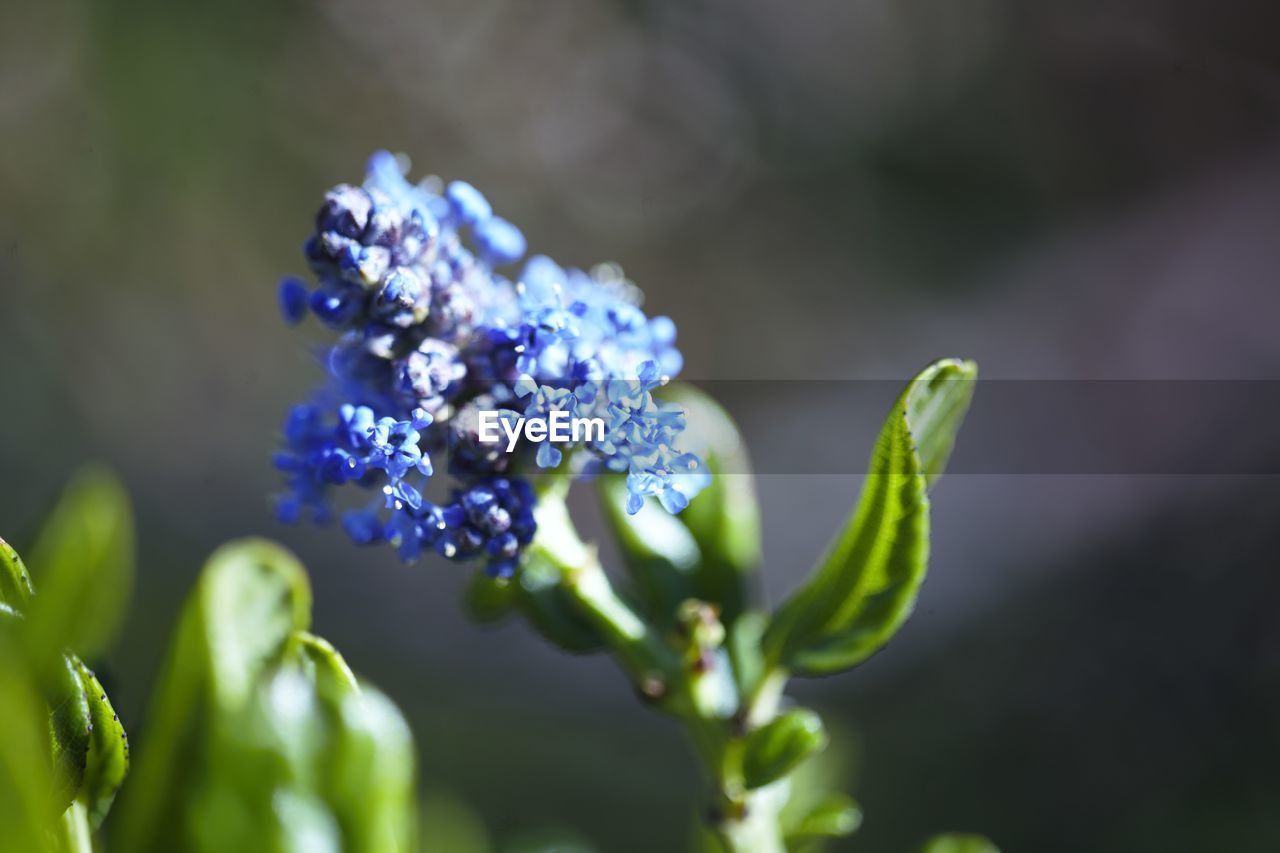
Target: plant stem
[
  {"x": 701, "y": 693},
  {"x": 633, "y": 641}
]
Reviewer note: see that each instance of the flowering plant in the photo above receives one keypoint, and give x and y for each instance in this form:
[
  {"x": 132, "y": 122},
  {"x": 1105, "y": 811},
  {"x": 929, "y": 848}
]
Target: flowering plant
[
  {"x": 433, "y": 334},
  {"x": 260, "y": 737}
]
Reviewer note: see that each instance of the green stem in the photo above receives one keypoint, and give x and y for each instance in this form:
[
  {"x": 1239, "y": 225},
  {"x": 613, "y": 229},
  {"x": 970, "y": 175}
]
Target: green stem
[
  {"x": 702, "y": 695},
  {"x": 744, "y": 820},
  {"x": 633, "y": 641}
]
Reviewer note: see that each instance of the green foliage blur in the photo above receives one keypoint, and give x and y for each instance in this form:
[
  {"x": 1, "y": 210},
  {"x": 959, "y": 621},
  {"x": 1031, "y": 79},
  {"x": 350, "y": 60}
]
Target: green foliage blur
[{"x": 259, "y": 736}]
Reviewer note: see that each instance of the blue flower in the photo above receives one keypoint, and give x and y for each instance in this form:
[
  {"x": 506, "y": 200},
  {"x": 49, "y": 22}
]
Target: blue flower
[
  {"x": 431, "y": 334},
  {"x": 543, "y": 400},
  {"x": 403, "y": 298},
  {"x": 493, "y": 519},
  {"x": 430, "y": 375}
]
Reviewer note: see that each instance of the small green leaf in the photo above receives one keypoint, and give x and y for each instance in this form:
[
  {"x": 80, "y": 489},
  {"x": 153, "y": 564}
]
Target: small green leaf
[
  {"x": 108, "y": 759},
  {"x": 744, "y": 650},
  {"x": 15, "y": 583},
  {"x": 959, "y": 843},
  {"x": 253, "y": 785},
  {"x": 773, "y": 750},
  {"x": 550, "y": 612},
  {"x": 724, "y": 518},
  {"x": 83, "y": 566},
  {"x": 866, "y": 586},
  {"x": 238, "y": 623},
  {"x": 659, "y": 553},
  {"x": 69, "y": 729},
  {"x": 252, "y": 596},
  {"x": 324, "y": 665},
  {"x": 835, "y": 816},
  {"x": 370, "y": 783}
]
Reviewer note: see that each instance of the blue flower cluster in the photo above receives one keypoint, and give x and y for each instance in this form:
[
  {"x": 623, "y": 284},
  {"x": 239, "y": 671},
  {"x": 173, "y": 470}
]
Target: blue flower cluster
[{"x": 430, "y": 336}]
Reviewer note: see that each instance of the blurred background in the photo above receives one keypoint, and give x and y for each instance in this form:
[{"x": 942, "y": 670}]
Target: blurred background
[{"x": 836, "y": 189}]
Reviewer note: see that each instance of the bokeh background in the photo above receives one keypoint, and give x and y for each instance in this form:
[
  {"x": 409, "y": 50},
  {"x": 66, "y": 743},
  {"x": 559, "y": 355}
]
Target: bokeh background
[{"x": 834, "y": 189}]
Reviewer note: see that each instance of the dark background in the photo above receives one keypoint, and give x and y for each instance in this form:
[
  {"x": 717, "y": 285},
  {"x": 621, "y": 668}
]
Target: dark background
[{"x": 819, "y": 190}]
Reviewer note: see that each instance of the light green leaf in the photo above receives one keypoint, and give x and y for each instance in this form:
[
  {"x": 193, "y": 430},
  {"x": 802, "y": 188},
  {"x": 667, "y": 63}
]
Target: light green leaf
[
  {"x": 835, "y": 816},
  {"x": 774, "y": 749},
  {"x": 252, "y": 596},
  {"x": 866, "y": 586},
  {"x": 254, "y": 787},
  {"x": 261, "y": 738},
  {"x": 724, "y": 518},
  {"x": 744, "y": 650},
  {"x": 83, "y": 567},
  {"x": 959, "y": 843},
  {"x": 370, "y": 782},
  {"x": 324, "y": 666},
  {"x": 238, "y": 624},
  {"x": 108, "y": 758}
]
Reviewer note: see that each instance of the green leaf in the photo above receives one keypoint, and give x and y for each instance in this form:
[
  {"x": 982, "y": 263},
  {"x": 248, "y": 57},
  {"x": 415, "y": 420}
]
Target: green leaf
[
  {"x": 83, "y": 567},
  {"x": 959, "y": 843},
  {"x": 774, "y": 749},
  {"x": 108, "y": 758},
  {"x": 658, "y": 551},
  {"x": 69, "y": 729},
  {"x": 324, "y": 666},
  {"x": 835, "y": 816},
  {"x": 371, "y": 774},
  {"x": 866, "y": 586},
  {"x": 744, "y": 650},
  {"x": 15, "y": 583},
  {"x": 238, "y": 624},
  {"x": 252, "y": 596},
  {"x": 544, "y": 603},
  {"x": 254, "y": 785},
  {"x": 724, "y": 518},
  {"x": 260, "y": 736}
]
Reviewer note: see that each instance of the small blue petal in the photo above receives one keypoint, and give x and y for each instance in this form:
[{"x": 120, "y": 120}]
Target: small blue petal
[
  {"x": 499, "y": 241},
  {"x": 548, "y": 455},
  {"x": 467, "y": 203},
  {"x": 363, "y": 526},
  {"x": 673, "y": 501},
  {"x": 293, "y": 300}
]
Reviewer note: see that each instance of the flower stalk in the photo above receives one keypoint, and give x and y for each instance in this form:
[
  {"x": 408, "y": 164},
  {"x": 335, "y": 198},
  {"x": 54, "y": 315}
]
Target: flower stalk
[{"x": 686, "y": 675}]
